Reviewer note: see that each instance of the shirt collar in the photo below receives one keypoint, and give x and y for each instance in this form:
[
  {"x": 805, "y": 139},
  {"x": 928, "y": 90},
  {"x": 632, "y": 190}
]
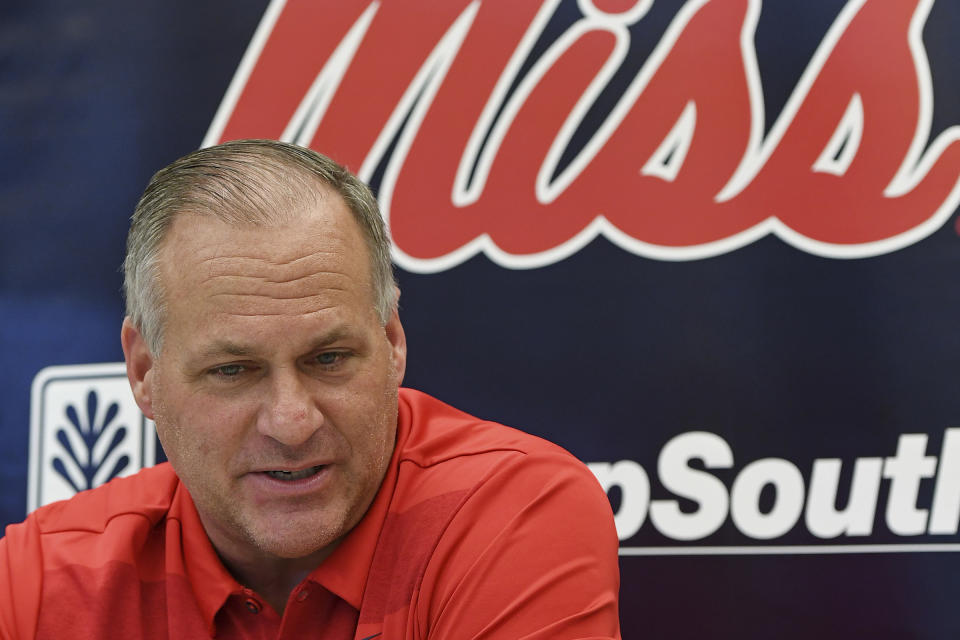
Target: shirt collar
[
  {"x": 345, "y": 571},
  {"x": 212, "y": 584}
]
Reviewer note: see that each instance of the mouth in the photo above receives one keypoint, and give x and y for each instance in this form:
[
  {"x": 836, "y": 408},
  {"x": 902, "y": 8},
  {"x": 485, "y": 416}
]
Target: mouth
[{"x": 290, "y": 476}]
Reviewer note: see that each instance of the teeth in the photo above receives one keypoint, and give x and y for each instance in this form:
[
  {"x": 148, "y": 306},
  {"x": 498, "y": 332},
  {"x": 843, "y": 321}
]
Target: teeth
[{"x": 294, "y": 475}]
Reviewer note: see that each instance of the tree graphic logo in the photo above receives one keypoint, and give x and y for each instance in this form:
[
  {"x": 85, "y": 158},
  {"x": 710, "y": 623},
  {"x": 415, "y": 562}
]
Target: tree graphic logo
[
  {"x": 85, "y": 458},
  {"x": 85, "y": 429}
]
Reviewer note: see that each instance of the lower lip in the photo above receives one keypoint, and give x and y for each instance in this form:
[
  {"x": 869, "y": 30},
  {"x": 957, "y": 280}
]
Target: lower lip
[{"x": 275, "y": 488}]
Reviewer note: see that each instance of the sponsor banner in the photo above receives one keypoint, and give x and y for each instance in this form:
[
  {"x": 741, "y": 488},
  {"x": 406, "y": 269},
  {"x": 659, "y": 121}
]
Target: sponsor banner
[
  {"x": 772, "y": 499},
  {"x": 708, "y": 246}
]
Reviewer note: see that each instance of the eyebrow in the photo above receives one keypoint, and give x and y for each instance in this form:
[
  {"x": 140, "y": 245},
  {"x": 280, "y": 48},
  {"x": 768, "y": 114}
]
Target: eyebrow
[
  {"x": 334, "y": 335},
  {"x": 227, "y": 347}
]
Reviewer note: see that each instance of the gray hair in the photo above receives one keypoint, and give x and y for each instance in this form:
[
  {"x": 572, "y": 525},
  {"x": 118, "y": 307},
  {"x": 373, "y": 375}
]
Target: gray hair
[{"x": 242, "y": 182}]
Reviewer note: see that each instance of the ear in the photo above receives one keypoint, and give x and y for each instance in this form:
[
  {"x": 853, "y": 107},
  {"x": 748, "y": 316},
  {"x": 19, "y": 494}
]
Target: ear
[
  {"x": 398, "y": 343},
  {"x": 140, "y": 364}
]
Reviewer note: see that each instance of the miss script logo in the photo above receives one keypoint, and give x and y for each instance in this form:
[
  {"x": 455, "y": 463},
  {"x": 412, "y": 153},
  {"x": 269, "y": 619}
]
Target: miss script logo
[{"x": 489, "y": 131}]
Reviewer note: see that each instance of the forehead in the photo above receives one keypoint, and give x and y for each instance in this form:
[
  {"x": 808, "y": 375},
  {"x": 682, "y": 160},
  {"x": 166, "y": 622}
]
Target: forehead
[{"x": 318, "y": 247}]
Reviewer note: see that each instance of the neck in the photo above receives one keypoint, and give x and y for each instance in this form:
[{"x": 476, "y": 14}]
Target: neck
[
  {"x": 273, "y": 583},
  {"x": 272, "y": 577}
]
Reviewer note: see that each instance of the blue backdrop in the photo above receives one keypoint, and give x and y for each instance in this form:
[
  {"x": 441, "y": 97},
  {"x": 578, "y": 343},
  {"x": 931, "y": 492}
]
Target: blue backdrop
[{"x": 729, "y": 383}]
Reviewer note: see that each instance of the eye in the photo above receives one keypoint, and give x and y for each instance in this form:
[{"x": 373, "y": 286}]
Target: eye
[
  {"x": 228, "y": 370},
  {"x": 330, "y": 359}
]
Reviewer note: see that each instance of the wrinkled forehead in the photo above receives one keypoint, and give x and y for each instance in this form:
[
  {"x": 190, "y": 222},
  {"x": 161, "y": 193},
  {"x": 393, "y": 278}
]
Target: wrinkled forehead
[{"x": 311, "y": 244}]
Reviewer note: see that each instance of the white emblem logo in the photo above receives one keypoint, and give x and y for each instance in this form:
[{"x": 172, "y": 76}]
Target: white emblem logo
[{"x": 85, "y": 428}]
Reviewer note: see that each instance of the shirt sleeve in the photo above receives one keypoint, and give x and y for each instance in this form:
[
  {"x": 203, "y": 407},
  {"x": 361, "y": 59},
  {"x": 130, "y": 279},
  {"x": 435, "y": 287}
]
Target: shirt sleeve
[
  {"x": 531, "y": 554},
  {"x": 21, "y": 577}
]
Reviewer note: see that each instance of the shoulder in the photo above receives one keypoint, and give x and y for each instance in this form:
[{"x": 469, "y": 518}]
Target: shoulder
[
  {"x": 488, "y": 465},
  {"x": 435, "y": 432},
  {"x": 94, "y": 527},
  {"x": 145, "y": 495},
  {"x": 528, "y": 529},
  {"x": 65, "y": 531},
  {"x": 479, "y": 458},
  {"x": 476, "y": 453}
]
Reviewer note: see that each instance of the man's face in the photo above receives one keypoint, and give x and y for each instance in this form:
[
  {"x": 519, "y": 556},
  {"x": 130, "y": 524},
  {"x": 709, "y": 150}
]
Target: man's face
[{"x": 275, "y": 392}]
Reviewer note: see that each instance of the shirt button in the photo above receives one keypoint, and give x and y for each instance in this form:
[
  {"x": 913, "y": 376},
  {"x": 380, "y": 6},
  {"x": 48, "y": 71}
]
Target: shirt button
[
  {"x": 252, "y": 606},
  {"x": 303, "y": 595}
]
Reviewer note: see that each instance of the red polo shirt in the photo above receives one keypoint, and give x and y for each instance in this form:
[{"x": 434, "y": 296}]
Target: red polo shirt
[{"x": 478, "y": 530}]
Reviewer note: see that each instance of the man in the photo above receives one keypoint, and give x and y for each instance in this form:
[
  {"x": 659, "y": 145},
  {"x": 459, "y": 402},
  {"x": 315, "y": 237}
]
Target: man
[{"x": 306, "y": 496}]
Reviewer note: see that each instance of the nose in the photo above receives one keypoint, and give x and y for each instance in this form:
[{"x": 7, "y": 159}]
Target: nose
[{"x": 289, "y": 415}]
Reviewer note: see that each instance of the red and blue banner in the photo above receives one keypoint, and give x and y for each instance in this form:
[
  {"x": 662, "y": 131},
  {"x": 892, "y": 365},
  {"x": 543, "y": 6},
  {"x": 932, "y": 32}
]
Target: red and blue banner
[{"x": 707, "y": 246}]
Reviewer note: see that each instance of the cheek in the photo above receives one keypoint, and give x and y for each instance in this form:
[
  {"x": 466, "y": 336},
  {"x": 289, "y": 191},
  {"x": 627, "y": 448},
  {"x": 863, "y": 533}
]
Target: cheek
[
  {"x": 217, "y": 428},
  {"x": 381, "y": 433},
  {"x": 365, "y": 419},
  {"x": 196, "y": 428}
]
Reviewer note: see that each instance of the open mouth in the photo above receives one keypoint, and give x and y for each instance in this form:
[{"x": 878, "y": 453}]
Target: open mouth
[{"x": 294, "y": 475}]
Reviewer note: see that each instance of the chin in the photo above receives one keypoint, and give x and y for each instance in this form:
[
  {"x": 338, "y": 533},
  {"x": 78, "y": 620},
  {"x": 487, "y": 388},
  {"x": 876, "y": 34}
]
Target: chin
[
  {"x": 295, "y": 538},
  {"x": 293, "y": 550}
]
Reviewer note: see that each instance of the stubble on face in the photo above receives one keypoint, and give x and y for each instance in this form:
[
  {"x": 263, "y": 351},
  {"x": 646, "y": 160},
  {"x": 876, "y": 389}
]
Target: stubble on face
[
  {"x": 275, "y": 291},
  {"x": 230, "y": 524}
]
